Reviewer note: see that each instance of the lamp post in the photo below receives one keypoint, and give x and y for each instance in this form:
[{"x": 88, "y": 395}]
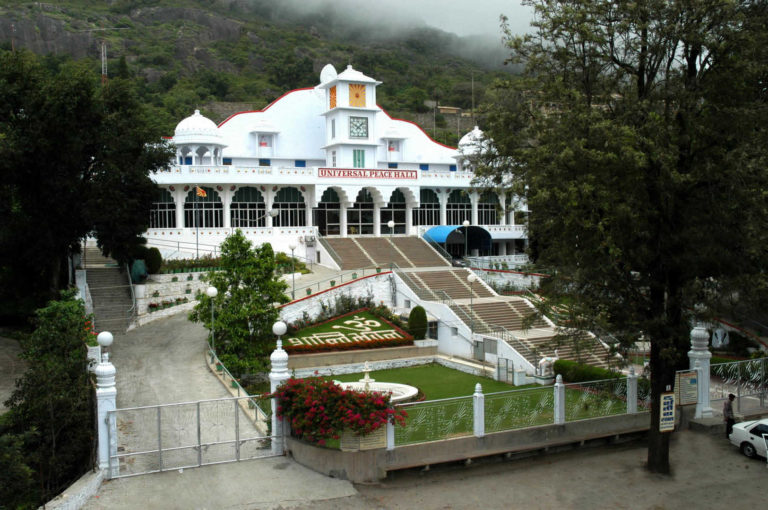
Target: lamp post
[
  {"x": 292, "y": 247},
  {"x": 471, "y": 278},
  {"x": 106, "y": 401},
  {"x": 391, "y": 225},
  {"x": 212, "y": 292},
  {"x": 105, "y": 339},
  {"x": 277, "y": 375},
  {"x": 465, "y": 223}
]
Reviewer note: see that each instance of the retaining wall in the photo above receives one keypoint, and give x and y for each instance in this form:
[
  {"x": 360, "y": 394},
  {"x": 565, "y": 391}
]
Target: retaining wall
[{"x": 372, "y": 465}]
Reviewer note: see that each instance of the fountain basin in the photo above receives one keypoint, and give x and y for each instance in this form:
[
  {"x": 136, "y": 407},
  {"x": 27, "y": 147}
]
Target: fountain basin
[{"x": 400, "y": 392}]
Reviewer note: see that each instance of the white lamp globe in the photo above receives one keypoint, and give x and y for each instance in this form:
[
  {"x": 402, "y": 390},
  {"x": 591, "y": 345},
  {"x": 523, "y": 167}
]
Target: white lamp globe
[
  {"x": 279, "y": 328},
  {"x": 212, "y": 292},
  {"x": 292, "y": 245},
  {"x": 471, "y": 278},
  {"x": 391, "y": 224},
  {"x": 273, "y": 212},
  {"x": 465, "y": 223},
  {"x": 105, "y": 339}
]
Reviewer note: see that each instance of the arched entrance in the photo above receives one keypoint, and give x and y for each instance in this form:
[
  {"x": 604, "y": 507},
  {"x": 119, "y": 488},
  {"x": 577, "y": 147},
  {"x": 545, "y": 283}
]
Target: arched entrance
[
  {"x": 327, "y": 214},
  {"x": 394, "y": 211}
]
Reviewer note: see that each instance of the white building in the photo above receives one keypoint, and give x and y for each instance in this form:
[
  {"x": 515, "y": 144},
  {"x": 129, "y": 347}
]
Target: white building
[{"x": 330, "y": 162}]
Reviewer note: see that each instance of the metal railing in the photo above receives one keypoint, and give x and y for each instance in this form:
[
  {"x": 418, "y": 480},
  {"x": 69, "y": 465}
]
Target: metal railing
[
  {"x": 417, "y": 289},
  {"x": 338, "y": 279},
  {"x": 329, "y": 249},
  {"x": 132, "y": 310},
  {"x": 189, "y": 246},
  {"x": 747, "y": 379}
]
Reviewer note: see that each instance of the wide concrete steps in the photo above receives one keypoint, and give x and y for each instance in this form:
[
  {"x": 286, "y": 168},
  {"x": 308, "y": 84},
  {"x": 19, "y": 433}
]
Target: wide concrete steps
[
  {"x": 451, "y": 281},
  {"x": 366, "y": 251},
  {"x": 92, "y": 257}
]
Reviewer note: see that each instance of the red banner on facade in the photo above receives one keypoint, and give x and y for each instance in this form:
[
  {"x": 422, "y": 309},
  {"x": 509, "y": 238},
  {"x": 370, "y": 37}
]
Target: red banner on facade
[{"x": 366, "y": 173}]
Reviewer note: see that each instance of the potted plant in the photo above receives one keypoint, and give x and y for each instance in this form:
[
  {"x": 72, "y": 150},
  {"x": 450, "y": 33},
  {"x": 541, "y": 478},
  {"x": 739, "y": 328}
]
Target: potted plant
[
  {"x": 309, "y": 292},
  {"x": 333, "y": 283}
]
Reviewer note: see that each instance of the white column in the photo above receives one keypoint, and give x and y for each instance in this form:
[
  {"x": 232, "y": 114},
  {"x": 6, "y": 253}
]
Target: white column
[
  {"x": 408, "y": 218},
  {"x": 195, "y": 156},
  {"x": 631, "y": 391},
  {"x": 559, "y": 400},
  {"x": 474, "y": 198},
  {"x": 443, "y": 199},
  {"x": 226, "y": 202},
  {"x": 179, "y": 197},
  {"x": 502, "y": 247},
  {"x": 269, "y": 197},
  {"x": 503, "y": 204},
  {"x": 390, "y": 435},
  {"x": 343, "y": 218},
  {"x": 377, "y": 218},
  {"x": 478, "y": 406},
  {"x": 106, "y": 400},
  {"x": 277, "y": 375},
  {"x": 700, "y": 353}
]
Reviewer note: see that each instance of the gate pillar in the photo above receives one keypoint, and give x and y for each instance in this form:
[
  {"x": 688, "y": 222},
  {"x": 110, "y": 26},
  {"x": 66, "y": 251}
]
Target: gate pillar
[
  {"x": 700, "y": 353},
  {"x": 277, "y": 375},
  {"x": 106, "y": 401}
]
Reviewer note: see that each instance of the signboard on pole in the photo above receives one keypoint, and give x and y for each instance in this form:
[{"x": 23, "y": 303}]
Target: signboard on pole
[
  {"x": 686, "y": 387},
  {"x": 667, "y": 415}
]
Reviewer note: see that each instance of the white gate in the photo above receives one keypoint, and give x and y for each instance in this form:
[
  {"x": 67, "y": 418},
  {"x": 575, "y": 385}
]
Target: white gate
[{"x": 163, "y": 437}]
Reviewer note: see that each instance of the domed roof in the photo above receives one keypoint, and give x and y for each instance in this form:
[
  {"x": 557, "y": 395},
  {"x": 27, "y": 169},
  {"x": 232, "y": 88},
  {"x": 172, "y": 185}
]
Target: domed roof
[
  {"x": 472, "y": 141},
  {"x": 197, "y": 129}
]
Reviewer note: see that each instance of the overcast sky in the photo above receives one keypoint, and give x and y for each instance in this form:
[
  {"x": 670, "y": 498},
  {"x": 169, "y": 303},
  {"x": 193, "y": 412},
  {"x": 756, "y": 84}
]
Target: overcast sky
[
  {"x": 468, "y": 17},
  {"x": 461, "y": 17}
]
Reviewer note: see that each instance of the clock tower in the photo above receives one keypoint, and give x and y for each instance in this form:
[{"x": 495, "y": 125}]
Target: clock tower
[{"x": 350, "y": 118}]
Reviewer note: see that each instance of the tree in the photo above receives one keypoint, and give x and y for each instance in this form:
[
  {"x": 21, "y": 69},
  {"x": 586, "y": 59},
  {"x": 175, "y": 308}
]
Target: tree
[
  {"x": 52, "y": 407},
  {"x": 244, "y": 309},
  {"x": 637, "y": 136},
  {"x": 75, "y": 159},
  {"x": 417, "y": 322}
]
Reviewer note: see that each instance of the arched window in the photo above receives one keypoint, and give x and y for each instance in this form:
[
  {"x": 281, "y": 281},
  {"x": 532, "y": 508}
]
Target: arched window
[
  {"x": 162, "y": 212},
  {"x": 428, "y": 212},
  {"x": 360, "y": 215},
  {"x": 203, "y": 212},
  {"x": 394, "y": 211},
  {"x": 458, "y": 208},
  {"x": 487, "y": 209},
  {"x": 248, "y": 208},
  {"x": 291, "y": 209},
  {"x": 327, "y": 214}
]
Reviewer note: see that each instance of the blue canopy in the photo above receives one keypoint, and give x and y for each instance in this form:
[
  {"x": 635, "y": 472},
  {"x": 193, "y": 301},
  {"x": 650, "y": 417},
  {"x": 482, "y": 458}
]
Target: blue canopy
[{"x": 478, "y": 238}]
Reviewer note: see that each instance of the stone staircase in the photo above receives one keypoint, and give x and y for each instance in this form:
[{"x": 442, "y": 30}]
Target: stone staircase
[{"x": 110, "y": 292}]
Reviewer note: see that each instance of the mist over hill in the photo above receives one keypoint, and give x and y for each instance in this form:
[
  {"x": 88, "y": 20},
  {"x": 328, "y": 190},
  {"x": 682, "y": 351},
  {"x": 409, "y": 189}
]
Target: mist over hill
[{"x": 194, "y": 53}]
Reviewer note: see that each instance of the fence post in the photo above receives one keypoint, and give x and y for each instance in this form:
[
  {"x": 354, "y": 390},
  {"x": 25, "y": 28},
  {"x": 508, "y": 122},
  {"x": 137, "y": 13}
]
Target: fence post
[
  {"x": 559, "y": 400},
  {"x": 478, "y": 404},
  {"x": 106, "y": 401},
  {"x": 390, "y": 435},
  {"x": 631, "y": 391},
  {"x": 700, "y": 353},
  {"x": 279, "y": 373}
]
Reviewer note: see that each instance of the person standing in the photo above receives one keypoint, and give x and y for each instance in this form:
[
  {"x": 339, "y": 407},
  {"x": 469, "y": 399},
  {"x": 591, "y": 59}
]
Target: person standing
[{"x": 728, "y": 414}]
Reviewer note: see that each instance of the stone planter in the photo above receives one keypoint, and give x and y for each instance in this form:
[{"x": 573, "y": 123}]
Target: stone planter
[{"x": 350, "y": 442}]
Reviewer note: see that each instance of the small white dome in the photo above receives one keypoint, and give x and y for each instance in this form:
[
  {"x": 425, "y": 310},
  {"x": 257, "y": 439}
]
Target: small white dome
[
  {"x": 197, "y": 129},
  {"x": 473, "y": 143},
  {"x": 328, "y": 73}
]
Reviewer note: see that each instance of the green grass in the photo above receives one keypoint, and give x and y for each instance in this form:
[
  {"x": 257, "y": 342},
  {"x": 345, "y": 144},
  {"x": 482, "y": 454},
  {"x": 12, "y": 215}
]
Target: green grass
[
  {"x": 434, "y": 381},
  {"x": 506, "y": 407}
]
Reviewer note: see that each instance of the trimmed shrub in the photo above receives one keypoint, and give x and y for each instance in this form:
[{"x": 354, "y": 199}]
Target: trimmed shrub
[
  {"x": 154, "y": 260},
  {"x": 573, "y": 371},
  {"x": 417, "y": 323}
]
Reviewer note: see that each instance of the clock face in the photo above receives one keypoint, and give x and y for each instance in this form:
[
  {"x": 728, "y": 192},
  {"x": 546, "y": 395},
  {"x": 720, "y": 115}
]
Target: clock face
[{"x": 358, "y": 127}]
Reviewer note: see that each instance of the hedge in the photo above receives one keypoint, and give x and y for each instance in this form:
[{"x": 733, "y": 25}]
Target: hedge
[
  {"x": 417, "y": 323},
  {"x": 573, "y": 371}
]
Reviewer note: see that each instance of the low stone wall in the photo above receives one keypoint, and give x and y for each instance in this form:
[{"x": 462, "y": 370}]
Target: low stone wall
[
  {"x": 372, "y": 465},
  {"x": 324, "y": 359},
  {"x": 77, "y": 494}
]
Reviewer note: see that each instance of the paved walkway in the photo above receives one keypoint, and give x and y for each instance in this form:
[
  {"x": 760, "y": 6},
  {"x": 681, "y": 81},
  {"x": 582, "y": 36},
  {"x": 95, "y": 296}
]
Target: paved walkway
[{"x": 163, "y": 362}]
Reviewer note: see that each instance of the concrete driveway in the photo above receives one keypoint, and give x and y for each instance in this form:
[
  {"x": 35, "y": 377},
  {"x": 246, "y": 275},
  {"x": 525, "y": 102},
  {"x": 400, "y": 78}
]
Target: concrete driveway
[{"x": 163, "y": 362}]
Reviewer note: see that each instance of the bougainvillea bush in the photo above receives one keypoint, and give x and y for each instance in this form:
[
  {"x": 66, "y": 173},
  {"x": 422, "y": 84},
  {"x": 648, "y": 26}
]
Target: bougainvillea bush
[{"x": 319, "y": 409}]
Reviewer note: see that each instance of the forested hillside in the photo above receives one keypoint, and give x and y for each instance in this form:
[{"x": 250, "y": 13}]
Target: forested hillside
[{"x": 225, "y": 55}]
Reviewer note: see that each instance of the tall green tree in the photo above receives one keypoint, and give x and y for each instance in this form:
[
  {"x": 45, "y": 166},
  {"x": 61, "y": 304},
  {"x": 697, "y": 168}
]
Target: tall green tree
[
  {"x": 52, "y": 408},
  {"x": 637, "y": 135},
  {"x": 244, "y": 309},
  {"x": 75, "y": 158}
]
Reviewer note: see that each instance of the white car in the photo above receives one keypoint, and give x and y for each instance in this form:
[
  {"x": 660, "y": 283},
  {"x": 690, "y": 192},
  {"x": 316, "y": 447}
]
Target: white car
[{"x": 748, "y": 436}]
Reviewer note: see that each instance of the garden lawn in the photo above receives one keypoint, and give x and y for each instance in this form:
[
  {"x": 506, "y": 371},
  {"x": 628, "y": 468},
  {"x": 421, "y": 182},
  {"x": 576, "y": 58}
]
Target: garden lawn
[
  {"x": 328, "y": 327},
  {"x": 434, "y": 381},
  {"x": 506, "y": 407}
]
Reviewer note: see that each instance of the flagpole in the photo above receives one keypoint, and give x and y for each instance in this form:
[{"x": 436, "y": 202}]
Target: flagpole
[{"x": 197, "y": 227}]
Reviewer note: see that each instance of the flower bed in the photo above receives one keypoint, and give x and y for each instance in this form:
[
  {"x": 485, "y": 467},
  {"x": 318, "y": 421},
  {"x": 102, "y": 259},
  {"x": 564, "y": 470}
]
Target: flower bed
[
  {"x": 319, "y": 410},
  {"x": 352, "y": 331}
]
